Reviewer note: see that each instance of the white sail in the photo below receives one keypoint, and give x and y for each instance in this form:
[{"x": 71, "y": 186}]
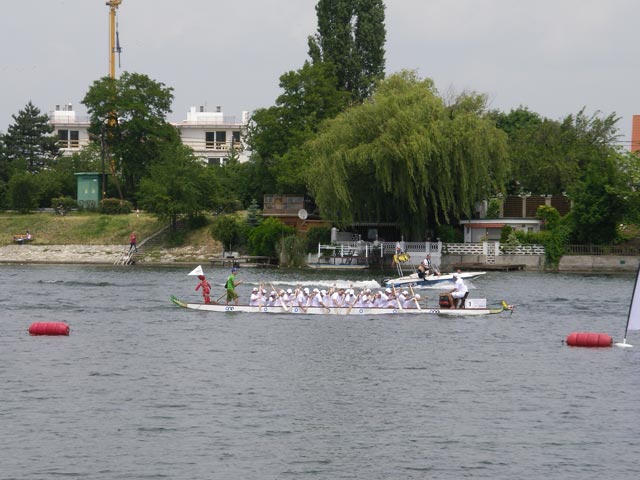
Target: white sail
[
  {"x": 197, "y": 271},
  {"x": 633, "y": 323}
]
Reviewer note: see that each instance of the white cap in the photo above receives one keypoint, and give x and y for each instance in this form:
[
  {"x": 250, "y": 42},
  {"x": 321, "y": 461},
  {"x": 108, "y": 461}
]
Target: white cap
[
  {"x": 323, "y": 292},
  {"x": 289, "y": 291},
  {"x": 255, "y": 289},
  {"x": 388, "y": 290},
  {"x": 417, "y": 296},
  {"x": 305, "y": 290},
  {"x": 315, "y": 290},
  {"x": 405, "y": 292}
]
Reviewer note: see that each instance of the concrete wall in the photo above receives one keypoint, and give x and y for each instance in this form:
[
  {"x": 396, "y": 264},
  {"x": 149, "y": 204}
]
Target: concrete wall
[
  {"x": 598, "y": 263},
  {"x": 568, "y": 263}
]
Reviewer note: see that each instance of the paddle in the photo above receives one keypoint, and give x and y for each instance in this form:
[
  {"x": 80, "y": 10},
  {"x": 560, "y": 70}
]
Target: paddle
[
  {"x": 395, "y": 294},
  {"x": 282, "y": 304},
  {"x": 219, "y": 298},
  {"x": 354, "y": 302},
  {"x": 414, "y": 298}
]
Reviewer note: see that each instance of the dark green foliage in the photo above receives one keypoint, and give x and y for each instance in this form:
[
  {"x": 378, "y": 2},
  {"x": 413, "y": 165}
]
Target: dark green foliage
[
  {"x": 550, "y": 217},
  {"x": 505, "y": 231},
  {"x": 277, "y": 133},
  {"x": 129, "y": 113},
  {"x": 449, "y": 234},
  {"x": 227, "y": 229},
  {"x": 548, "y": 156},
  {"x": 263, "y": 239},
  {"x": 493, "y": 210},
  {"x": 23, "y": 192},
  {"x": 67, "y": 203},
  {"x": 253, "y": 215},
  {"x": 351, "y": 37},
  {"x": 198, "y": 221},
  {"x": 317, "y": 235},
  {"x": 292, "y": 251},
  {"x": 29, "y": 139},
  {"x": 406, "y": 157},
  {"x": 114, "y": 206},
  {"x": 178, "y": 184}
]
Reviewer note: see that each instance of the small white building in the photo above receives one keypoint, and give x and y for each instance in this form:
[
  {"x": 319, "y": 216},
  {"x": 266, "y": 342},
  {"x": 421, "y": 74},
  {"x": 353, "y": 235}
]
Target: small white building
[
  {"x": 476, "y": 231},
  {"x": 71, "y": 129},
  {"x": 212, "y": 136}
]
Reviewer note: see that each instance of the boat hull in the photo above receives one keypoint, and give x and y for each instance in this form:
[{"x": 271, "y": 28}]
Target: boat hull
[
  {"x": 354, "y": 311},
  {"x": 430, "y": 281}
]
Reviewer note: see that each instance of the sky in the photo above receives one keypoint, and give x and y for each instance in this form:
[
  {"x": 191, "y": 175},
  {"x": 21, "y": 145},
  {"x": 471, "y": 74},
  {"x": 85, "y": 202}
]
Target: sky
[{"x": 554, "y": 57}]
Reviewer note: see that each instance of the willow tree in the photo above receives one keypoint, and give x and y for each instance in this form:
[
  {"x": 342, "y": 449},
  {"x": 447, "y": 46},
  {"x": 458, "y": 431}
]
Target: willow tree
[{"x": 407, "y": 157}]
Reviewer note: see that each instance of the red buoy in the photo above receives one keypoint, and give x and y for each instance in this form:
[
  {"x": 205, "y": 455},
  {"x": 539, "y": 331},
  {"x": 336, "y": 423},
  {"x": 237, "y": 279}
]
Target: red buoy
[
  {"x": 49, "y": 328},
  {"x": 587, "y": 339}
]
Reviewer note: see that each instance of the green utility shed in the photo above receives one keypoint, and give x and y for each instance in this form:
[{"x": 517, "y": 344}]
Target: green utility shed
[{"x": 89, "y": 189}]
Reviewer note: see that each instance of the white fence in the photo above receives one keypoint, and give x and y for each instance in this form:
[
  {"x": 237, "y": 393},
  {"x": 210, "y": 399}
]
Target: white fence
[{"x": 420, "y": 249}]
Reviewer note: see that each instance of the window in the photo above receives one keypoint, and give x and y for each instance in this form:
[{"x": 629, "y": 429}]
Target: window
[
  {"x": 215, "y": 161},
  {"x": 210, "y": 140},
  {"x": 236, "y": 136},
  {"x": 68, "y": 138},
  {"x": 216, "y": 140}
]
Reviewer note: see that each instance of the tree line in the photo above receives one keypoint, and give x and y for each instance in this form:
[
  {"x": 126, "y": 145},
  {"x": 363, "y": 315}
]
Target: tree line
[{"x": 367, "y": 147}]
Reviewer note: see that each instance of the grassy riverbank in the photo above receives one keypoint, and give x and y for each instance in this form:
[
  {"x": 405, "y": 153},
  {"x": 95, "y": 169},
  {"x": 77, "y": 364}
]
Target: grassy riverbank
[{"x": 77, "y": 228}]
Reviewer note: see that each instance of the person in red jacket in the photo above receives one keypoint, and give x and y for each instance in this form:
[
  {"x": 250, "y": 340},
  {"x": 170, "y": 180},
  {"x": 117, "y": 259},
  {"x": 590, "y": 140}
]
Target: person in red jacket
[
  {"x": 206, "y": 289},
  {"x": 133, "y": 242}
]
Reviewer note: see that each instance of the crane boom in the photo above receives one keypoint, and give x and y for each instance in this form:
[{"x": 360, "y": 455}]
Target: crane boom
[{"x": 113, "y": 6}]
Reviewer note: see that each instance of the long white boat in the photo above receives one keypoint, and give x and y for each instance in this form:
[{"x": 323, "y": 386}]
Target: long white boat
[
  {"x": 366, "y": 311},
  {"x": 428, "y": 281}
]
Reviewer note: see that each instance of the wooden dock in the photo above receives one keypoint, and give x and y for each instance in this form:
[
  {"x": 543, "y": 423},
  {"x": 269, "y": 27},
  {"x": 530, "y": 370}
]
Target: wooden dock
[
  {"x": 244, "y": 262},
  {"x": 487, "y": 267}
]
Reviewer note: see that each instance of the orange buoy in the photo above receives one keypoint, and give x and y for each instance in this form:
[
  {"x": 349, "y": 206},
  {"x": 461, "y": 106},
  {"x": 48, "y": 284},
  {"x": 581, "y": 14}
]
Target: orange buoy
[
  {"x": 587, "y": 339},
  {"x": 49, "y": 328}
]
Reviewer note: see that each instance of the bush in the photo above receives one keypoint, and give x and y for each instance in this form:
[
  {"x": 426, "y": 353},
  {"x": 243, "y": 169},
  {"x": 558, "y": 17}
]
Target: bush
[
  {"x": 317, "y": 235},
  {"x": 448, "y": 234},
  {"x": 493, "y": 210},
  {"x": 114, "y": 206},
  {"x": 67, "y": 203},
  {"x": 292, "y": 251},
  {"x": 23, "y": 192},
  {"x": 263, "y": 239},
  {"x": 227, "y": 229}
]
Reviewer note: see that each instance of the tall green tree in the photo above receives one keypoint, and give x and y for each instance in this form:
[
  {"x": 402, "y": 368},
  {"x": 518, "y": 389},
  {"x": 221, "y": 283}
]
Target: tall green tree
[
  {"x": 351, "y": 36},
  {"x": 178, "y": 184},
  {"x": 130, "y": 115},
  {"x": 276, "y": 133},
  {"x": 548, "y": 156},
  {"x": 28, "y": 143},
  {"x": 407, "y": 157}
]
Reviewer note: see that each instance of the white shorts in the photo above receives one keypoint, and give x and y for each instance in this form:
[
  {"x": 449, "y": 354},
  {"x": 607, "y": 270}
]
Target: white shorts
[{"x": 457, "y": 294}]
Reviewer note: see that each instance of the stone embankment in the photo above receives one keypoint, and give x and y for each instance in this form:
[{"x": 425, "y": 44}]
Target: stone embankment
[{"x": 98, "y": 254}]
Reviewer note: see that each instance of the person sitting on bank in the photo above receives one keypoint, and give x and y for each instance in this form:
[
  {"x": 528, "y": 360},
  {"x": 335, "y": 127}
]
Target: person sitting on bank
[{"x": 458, "y": 292}]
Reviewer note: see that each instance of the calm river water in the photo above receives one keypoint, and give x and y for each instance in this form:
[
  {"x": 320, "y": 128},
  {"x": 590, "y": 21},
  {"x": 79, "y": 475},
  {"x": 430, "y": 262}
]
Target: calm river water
[{"x": 142, "y": 389}]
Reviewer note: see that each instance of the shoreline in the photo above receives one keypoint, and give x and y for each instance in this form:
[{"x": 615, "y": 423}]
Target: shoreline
[{"x": 98, "y": 255}]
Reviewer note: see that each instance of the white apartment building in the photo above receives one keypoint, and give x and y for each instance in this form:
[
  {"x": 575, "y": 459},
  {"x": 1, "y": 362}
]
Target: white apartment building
[{"x": 212, "y": 136}]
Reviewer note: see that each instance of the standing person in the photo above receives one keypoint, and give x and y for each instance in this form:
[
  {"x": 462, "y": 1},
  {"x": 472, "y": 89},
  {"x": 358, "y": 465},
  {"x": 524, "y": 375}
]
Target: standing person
[
  {"x": 133, "y": 242},
  {"x": 231, "y": 285},
  {"x": 206, "y": 289}
]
